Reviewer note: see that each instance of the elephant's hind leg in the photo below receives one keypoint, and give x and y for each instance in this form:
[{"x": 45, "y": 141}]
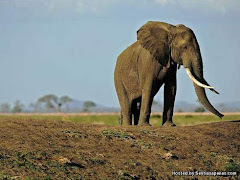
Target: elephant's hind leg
[
  {"x": 125, "y": 106},
  {"x": 126, "y": 112},
  {"x": 146, "y": 103}
]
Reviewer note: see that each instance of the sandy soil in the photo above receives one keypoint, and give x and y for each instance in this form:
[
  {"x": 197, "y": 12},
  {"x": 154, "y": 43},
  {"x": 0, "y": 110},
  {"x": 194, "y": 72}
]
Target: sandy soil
[{"x": 48, "y": 149}]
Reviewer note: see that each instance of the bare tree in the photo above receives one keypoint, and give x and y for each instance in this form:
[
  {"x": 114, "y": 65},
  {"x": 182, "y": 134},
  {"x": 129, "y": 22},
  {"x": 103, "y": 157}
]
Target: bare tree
[
  {"x": 87, "y": 105},
  {"x": 5, "y": 108},
  {"x": 65, "y": 100},
  {"x": 155, "y": 102},
  {"x": 36, "y": 107},
  {"x": 52, "y": 102},
  {"x": 18, "y": 107}
]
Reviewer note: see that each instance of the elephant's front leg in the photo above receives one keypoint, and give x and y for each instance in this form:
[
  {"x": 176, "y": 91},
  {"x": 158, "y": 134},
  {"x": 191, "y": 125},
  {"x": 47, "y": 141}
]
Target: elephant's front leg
[
  {"x": 170, "y": 88},
  {"x": 146, "y": 103}
]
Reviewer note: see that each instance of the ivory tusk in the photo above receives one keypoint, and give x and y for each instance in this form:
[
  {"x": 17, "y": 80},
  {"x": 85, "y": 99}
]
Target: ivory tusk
[{"x": 196, "y": 81}]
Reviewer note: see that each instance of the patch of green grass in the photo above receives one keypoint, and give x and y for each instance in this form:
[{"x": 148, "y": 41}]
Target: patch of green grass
[
  {"x": 153, "y": 133},
  {"x": 156, "y": 116},
  {"x": 213, "y": 154},
  {"x": 74, "y": 134},
  {"x": 24, "y": 160},
  {"x": 189, "y": 120},
  {"x": 116, "y": 134},
  {"x": 94, "y": 160},
  {"x": 126, "y": 175},
  {"x": 155, "y": 120},
  {"x": 134, "y": 162},
  {"x": 47, "y": 178},
  {"x": 6, "y": 177},
  {"x": 145, "y": 145},
  {"x": 97, "y": 161},
  {"x": 231, "y": 166}
]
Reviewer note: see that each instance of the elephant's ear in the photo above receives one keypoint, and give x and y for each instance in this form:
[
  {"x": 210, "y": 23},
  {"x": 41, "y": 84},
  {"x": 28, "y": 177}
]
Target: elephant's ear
[{"x": 154, "y": 37}]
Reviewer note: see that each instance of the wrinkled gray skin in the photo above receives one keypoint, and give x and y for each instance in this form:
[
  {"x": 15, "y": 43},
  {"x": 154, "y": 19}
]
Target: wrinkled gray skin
[{"x": 152, "y": 61}]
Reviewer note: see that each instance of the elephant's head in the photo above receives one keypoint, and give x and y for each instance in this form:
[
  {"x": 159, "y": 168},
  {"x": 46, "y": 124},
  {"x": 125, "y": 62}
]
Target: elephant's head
[{"x": 177, "y": 44}]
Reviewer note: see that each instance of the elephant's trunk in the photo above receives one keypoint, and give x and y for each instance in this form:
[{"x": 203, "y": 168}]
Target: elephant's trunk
[
  {"x": 201, "y": 94},
  {"x": 197, "y": 73}
]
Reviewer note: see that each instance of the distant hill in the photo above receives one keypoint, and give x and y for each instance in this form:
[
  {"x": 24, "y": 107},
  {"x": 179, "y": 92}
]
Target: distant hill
[
  {"x": 229, "y": 106},
  {"x": 180, "y": 106},
  {"x": 183, "y": 106},
  {"x": 74, "y": 106},
  {"x": 78, "y": 106}
]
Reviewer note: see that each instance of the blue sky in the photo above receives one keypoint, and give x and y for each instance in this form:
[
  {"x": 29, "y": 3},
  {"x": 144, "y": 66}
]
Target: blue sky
[{"x": 69, "y": 47}]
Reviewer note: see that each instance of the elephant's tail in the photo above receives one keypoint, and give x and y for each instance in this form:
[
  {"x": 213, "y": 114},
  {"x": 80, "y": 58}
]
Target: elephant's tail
[{"x": 120, "y": 118}]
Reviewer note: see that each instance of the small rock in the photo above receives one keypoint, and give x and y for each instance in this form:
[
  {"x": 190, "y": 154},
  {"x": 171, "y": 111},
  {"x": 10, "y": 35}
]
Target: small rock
[
  {"x": 167, "y": 155},
  {"x": 170, "y": 155},
  {"x": 174, "y": 157},
  {"x": 72, "y": 162},
  {"x": 64, "y": 160},
  {"x": 77, "y": 163},
  {"x": 101, "y": 155},
  {"x": 120, "y": 172}
]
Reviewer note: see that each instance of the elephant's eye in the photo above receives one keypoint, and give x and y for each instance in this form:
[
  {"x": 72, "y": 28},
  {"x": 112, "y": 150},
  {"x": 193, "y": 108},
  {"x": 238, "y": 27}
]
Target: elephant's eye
[{"x": 184, "y": 47}]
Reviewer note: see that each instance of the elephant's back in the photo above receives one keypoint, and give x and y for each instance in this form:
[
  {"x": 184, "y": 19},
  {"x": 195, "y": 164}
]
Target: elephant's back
[
  {"x": 128, "y": 57},
  {"x": 126, "y": 71}
]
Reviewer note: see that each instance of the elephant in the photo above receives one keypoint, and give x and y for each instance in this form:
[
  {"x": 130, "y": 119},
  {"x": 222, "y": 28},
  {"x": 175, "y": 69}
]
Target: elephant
[{"x": 143, "y": 67}]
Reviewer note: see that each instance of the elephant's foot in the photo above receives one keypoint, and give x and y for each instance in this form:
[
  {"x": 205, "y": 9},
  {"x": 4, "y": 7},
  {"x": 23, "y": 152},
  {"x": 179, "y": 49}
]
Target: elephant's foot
[
  {"x": 126, "y": 123},
  {"x": 169, "y": 124}
]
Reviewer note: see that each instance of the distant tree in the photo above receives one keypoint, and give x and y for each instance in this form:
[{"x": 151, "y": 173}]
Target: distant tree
[
  {"x": 18, "y": 107},
  {"x": 5, "y": 108},
  {"x": 222, "y": 106},
  {"x": 155, "y": 102},
  {"x": 65, "y": 100},
  {"x": 179, "y": 110},
  {"x": 200, "y": 108},
  {"x": 87, "y": 105},
  {"x": 52, "y": 102},
  {"x": 35, "y": 107}
]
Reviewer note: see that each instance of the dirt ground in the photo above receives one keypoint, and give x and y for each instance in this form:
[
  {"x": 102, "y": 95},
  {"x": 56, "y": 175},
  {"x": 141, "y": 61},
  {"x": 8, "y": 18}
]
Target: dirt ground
[{"x": 48, "y": 149}]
